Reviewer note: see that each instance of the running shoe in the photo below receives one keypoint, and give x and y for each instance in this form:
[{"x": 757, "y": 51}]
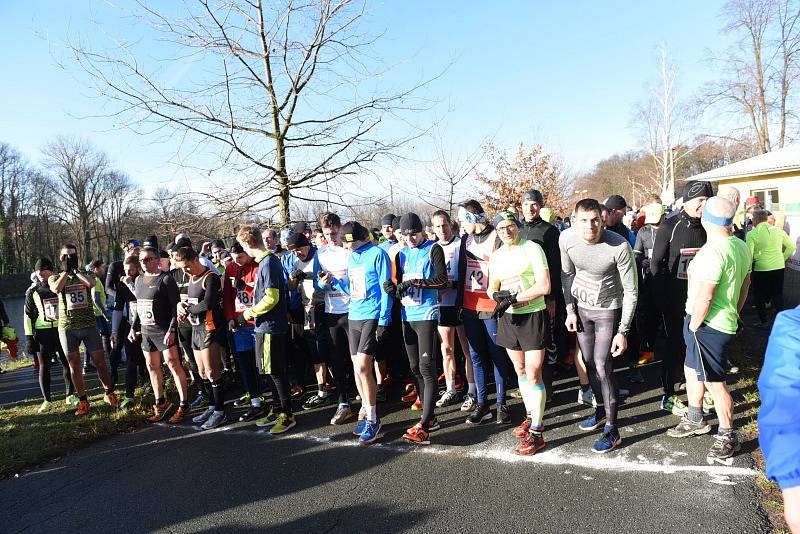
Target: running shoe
[
  {"x": 417, "y": 405},
  {"x": 469, "y": 403},
  {"x": 83, "y": 408},
  {"x": 217, "y": 419},
  {"x": 126, "y": 403},
  {"x": 315, "y": 401},
  {"x": 674, "y": 405},
  {"x": 201, "y": 401},
  {"x": 284, "y": 423},
  {"x": 708, "y": 403},
  {"x": 523, "y": 429},
  {"x": 433, "y": 425},
  {"x": 241, "y": 401},
  {"x": 178, "y": 416},
  {"x": 370, "y": 433},
  {"x": 503, "y": 417},
  {"x": 724, "y": 447},
  {"x": 447, "y": 398},
  {"x": 609, "y": 440},
  {"x": 297, "y": 392},
  {"x": 417, "y": 434},
  {"x": 411, "y": 396},
  {"x": 587, "y": 397},
  {"x": 442, "y": 379},
  {"x": 252, "y": 413},
  {"x": 594, "y": 422},
  {"x": 646, "y": 356},
  {"x": 687, "y": 428},
  {"x": 359, "y": 428},
  {"x": 531, "y": 444},
  {"x": 111, "y": 399},
  {"x": 45, "y": 406},
  {"x": 342, "y": 415},
  {"x": 72, "y": 400},
  {"x": 622, "y": 394},
  {"x": 160, "y": 411},
  {"x": 268, "y": 420},
  {"x": 203, "y": 417},
  {"x": 479, "y": 415},
  {"x": 635, "y": 377},
  {"x": 380, "y": 394}
]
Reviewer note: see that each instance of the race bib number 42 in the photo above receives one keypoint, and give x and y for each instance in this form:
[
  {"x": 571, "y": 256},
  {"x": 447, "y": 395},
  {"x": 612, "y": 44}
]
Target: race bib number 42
[
  {"x": 77, "y": 297},
  {"x": 586, "y": 291},
  {"x": 358, "y": 283},
  {"x": 687, "y": 255},
  {"x": 477, "y": 276}
]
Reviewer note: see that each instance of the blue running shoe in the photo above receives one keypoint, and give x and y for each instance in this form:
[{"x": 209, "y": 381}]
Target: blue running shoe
[
  {"x": 360, "y": 426},
  {"x": 370, "y": 433},
  {"x": 594, "y": 422},
  {"x": 199, "y": 401},
  {"x": 609, "y": 440}
]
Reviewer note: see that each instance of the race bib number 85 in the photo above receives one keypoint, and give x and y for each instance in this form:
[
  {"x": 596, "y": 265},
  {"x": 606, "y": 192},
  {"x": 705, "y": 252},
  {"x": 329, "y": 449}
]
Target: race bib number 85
[{"x": 77, "y": 297}]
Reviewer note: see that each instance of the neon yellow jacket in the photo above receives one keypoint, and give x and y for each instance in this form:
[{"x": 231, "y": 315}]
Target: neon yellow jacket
[{"x": 770, "y": 247}]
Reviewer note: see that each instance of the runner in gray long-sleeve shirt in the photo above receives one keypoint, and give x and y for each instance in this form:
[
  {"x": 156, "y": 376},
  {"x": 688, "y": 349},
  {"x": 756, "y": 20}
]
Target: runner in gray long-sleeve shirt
[{"x": 598, "y": 276}]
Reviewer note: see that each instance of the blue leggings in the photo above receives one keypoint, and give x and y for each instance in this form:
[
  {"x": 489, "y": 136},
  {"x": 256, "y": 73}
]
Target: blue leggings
[{"x": 481, "y": 336}]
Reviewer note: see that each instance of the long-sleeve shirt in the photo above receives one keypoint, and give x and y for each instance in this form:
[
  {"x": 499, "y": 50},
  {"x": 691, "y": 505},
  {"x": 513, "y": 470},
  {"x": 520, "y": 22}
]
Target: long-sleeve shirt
[
  {"x": 599, "y": 276},
  {"x": 367, "y": 269},
  {"x": 238, "y": 289},
  {"x": 41, "y": 309},
  {"x": 770, "y": 247},
  {"x": 269, "y": 309},
  {"x": 546, "y": 236}
]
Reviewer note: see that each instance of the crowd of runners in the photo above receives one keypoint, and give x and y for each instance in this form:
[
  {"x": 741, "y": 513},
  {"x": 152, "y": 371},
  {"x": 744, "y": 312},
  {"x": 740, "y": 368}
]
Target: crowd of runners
[{"x": 453, "y": 309}]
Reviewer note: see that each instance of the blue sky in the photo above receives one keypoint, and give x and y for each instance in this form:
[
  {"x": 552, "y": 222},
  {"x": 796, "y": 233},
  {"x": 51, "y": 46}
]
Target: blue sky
[{"x": 565, "y": 74}]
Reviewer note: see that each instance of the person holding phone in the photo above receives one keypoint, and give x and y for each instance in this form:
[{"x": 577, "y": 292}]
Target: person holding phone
[{"x": 598, "y": 277}]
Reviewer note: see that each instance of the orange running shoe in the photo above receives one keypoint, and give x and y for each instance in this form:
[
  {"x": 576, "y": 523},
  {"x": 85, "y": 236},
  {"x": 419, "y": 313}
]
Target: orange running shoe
[
  {"x": 83, "y": 408},
  {"x": 523, "y": 429},
  {"x": 297, "y": 392},
  {"x": 417, "y": 406},
  {"x": 530, "y": 444},
  {"x": 178, "y": 416},
  {"x": 111, "y": 399},
  {"x": 646, "y": 357},
  {"x": 160, "y": 411},
  {"x": 417, "y": 434},
  {"x": 410, "y": 396}
]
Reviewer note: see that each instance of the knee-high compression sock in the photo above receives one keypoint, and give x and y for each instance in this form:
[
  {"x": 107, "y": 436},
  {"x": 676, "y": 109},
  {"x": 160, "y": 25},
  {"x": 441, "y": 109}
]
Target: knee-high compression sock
[
  {"x": 525, "y": 391},
  {"x": 207, "y": 391},
  {"x": 218, "y": 395},
  {"x": 538, "y": 397}
]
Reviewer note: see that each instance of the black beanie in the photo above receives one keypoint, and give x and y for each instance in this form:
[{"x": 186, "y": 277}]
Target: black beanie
[
  {"x": 151, "y": 242},
  {"x": 533, "y": 195},
  {"x": 410, "y": 223},
  {"x": 694, "y": 189},
  {"x": 43, "y": 264},
  {"x": 353, "y": 231},
  {"x": 388, "y": 219}
]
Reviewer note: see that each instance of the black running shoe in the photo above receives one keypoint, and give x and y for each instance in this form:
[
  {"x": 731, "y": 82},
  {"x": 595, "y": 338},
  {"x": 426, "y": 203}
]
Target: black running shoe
[{"x": 479, "y": 415}]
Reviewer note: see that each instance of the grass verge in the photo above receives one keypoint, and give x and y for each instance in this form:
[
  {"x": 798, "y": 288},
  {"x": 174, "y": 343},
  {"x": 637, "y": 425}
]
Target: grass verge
[
  {"x": 30, "y": 438},
  {"x": 8, "y": 364}
]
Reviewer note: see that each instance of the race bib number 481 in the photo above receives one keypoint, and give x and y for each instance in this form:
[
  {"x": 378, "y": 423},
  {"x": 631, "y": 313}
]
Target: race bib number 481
[
  {"x": 77, "y": 297},
  {"x": 413, "y": 295}
]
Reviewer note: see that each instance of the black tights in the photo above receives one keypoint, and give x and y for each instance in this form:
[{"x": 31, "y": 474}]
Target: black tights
[
  {"x": 50, "y": 347},
  {"x": 420, "y": 340},
  {"x": 596, "y": 331},
  {"x": 339, "y": 352}
]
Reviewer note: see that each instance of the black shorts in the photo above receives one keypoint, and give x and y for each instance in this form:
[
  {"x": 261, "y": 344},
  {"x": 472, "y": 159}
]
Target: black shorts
[
  {"x": 361, "y": 335},
  {"x": 523, "y": 331},
  {"x": 46, "y": 341},
  {"x": 154, "y": 341},
  {"x": 202, "y": 338},
  {"x": 448, "y": 316},
  {"x": 271, "y": 353},
  {"x": 706, "y": 352}
]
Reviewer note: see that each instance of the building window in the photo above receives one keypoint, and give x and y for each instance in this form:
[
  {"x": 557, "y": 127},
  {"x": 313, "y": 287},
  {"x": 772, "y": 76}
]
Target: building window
[{"x": 769, "y": 198}]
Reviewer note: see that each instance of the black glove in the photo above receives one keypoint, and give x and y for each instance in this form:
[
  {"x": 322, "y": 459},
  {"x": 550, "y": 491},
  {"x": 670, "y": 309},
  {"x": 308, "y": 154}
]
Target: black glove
[
  {"x": 380, "y": 332},
  {"x": 73, "y": 262},
  {"x": 499, "y": 296},
  {"x": 65, "y": 264},
  {"x": 402, "y": 287},
  {"x": 298, "y": 274},
  {"x": 390, "y": 288},
  {"x": 502, "y": 306},
  {"x": 240, "y": 285}
]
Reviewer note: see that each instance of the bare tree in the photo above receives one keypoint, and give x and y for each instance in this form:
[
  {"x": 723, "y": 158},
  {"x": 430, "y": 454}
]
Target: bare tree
[
  {"x": 120, "y": 206},
  {"x": 12, "y": 172},
  {"x": 289, "y": 97}
]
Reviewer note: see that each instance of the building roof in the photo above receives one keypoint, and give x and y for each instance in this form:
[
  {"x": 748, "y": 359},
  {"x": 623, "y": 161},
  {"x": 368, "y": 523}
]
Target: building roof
[{"x": 784, "y": 159}]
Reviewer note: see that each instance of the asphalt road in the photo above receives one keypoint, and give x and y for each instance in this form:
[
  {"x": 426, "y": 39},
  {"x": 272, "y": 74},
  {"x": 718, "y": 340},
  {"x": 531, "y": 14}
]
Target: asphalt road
[{"x": 238, "y": 478}]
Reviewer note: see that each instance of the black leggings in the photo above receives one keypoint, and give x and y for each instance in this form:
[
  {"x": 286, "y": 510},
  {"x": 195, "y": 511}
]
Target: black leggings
[
  {"x": 420, "y": 340},
  {"x": 185, "y": 339},
  {"x": 49, "y": 347},
  {"x": 136, "y": 366},
  {"x": 767, "y": 287},
  {"x": 596, "y": 331},
  {"x": 340, "y": 352}
]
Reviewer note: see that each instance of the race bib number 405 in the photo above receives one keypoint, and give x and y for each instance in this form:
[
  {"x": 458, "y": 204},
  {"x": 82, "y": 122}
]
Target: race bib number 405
[
  {"x": 586, "y": 291},
  {"x": 144, "y": 308},
  {"x": 358, "y": 283},
  {"x": 77, "y": 297},
  {"x": 477, "y": 276},
  {"x": 687, "y": 255}
]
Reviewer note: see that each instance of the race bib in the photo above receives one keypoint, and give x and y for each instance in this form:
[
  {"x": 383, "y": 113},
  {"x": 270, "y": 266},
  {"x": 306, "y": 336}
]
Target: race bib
[
  {"x": 413, "y": 295},
  {"x": 449, "y": 254},
  {"x": 77, "y": 297},
  {"x": 648, "y": 253},
  {"x": 339, "y": 275},
  {"x": 311, "y": 323},
  {"x": 145, "y": 310},
  {"x": 687, "y": 255},
  {"x": 194, "y": 319},
  {"x": 358, "y": 283},
  {"x": 243, "y": 301},
  {"x": 50, "y": 309},
  {"x": 477, "y": 276},
  {"x": 513, "y": 285},
  {"x": 586, "y": 291}
]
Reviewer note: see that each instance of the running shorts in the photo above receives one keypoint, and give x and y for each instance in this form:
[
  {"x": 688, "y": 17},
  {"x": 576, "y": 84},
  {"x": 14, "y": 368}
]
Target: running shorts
[
  {"x": 706, "y": 352},
  {"x": 523, "y": 331}
]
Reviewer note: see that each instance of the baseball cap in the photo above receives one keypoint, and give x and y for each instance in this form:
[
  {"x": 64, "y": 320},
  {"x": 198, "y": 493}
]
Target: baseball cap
[{"x": 615, "y": 202}]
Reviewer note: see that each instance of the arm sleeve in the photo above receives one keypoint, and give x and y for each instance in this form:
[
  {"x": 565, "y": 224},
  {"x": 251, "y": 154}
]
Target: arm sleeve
[
  {"x": 116, "y": 320},
  {"x": 134, "y": 312},
  {"x": 439, "y": 279},
  {"x": 790, "y": 247},
  {"x": 750, "y": 243},
  {"x": 553, "y": 255},
  {"x": 112, "y": 277},
  {"x": 384, "y": 270},
  {"x": 228, "y": 297},
  {"x": 31, "y": 312},
  {"x": 628, "y": 277},
  {"x": 567, "y": 275},
  {"x": 462, "y": 273},
  {"x": 174, "y": 297},
  {"x": 270, "y": 278},
  {"x": 211, "y": 297},
  {"x": 660, "y": 249}
]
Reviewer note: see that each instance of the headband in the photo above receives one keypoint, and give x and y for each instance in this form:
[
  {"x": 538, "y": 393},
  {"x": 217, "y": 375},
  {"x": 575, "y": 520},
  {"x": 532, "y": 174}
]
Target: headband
[
  {"x": 469, "y": 217},
  {"x": 714, "y": 219}
]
